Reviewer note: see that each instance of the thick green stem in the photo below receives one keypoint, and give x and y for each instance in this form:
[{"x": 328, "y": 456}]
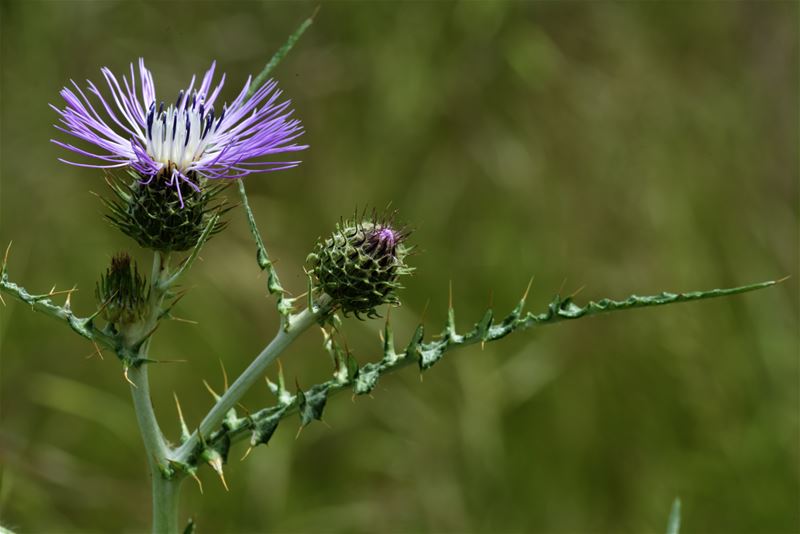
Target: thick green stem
[
  {"x": 166, "y": 496},
  {"x": 154, "y": 444},
  {"x": 165, "y": 489},
  {"x": 253, "y": 373}
]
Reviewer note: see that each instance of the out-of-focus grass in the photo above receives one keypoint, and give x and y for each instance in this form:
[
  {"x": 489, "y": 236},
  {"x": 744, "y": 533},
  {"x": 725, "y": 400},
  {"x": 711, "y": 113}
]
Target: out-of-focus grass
[{"x": 630, "y": 147}]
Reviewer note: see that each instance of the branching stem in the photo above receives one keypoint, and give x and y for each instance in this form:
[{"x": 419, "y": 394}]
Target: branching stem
[{"x": 254, "y": 372}]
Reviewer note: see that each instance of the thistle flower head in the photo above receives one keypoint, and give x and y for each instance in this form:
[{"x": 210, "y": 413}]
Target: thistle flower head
[
  {"x": 358, "y": 266},
  {"x": 183, "y": 143}
]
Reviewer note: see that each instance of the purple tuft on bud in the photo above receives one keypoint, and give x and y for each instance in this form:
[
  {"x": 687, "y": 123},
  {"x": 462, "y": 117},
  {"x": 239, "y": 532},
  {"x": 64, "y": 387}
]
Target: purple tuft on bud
[{"x": 382, "y": 241}]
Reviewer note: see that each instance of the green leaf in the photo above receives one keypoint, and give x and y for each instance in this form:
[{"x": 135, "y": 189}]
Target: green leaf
[
  {"x": 310, "y": 407},
  {"x": 263, "y": 431}
]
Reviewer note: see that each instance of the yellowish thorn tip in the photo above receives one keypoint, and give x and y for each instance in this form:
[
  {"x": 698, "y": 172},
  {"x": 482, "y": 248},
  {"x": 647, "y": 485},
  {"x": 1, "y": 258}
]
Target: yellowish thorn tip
[
  {"x": 450, "y": 299},
  {"x": 182, "y": 320},
  {"x": 222, "y": 478},
  {"x": 125, "y": 374},
  {"x": 210, "y": 390},
  {"x": 527, "y": 289},
  {"x": 199, "y": 483},
  {"x": 425, "y": 311},
  {"x": 563, "y": 283},
  {"x": 246, "y": 453},
  {"x": 178, "y": 406},
  {"x": 5, "y": 256},
  {"x": 224, "y": 375},
  {"x": 575, "y": 293}
]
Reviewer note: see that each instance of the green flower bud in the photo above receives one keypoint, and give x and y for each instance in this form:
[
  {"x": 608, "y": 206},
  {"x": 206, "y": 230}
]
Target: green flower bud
[
  {"x": 158, "y": 216},
  {"x": 359, "y": 264},
  {"x": 122, "y": 292}
]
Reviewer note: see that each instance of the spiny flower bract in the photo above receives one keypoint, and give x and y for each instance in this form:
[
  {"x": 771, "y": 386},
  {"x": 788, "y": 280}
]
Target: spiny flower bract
[{"x": 121, "y": 292}]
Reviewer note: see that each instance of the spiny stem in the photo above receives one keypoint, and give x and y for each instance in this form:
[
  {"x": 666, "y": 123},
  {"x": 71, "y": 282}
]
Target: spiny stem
[
  {"x": 425, "y": 354},
  {"x": 262, "y": 257},
  {"x": 83, "y": 326},
  {"x": 297, "y": 324},
  {"x": 274, "y": 287}
]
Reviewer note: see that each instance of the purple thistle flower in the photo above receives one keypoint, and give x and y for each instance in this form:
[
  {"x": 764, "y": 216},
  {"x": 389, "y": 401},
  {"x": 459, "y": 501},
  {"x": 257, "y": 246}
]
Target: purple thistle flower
[{"x": 184, "y": 141}]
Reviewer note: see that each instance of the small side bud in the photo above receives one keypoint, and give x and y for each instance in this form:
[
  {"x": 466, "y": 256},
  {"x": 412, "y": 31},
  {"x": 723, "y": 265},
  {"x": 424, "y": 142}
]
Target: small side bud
[
  {"x": 358, "y": 266},
  {"x": 122, "y": 292}
]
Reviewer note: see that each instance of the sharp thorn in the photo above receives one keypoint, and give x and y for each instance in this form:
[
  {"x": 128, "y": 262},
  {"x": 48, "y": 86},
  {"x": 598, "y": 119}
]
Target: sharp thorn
[
  {"x": 224, "y": 375},
  {"x": 222, "y": 478},
  {"x": 5, "y": 256},
  {"x": 177, "y": 404},
  {"x": 68, "y": 302},
  {"x": 425, "y": 311},
  {"x": 243, "y": 408},
  {"x": 450, "y": 298},
  {"x": 96, "y": 351},
  {"x": 563, "y": 283},
  {"x": 575, "y": 293},
  {"x": 199, "y": 483},
  {"x": 102, "y": 306},
  {"x": 210, "y": 390},
  {"x": 125, "y": 374},
  {"x": 246, "y": 454},
  {"x": 527, "y": 289},
  {"x": 182, "y": 320}
]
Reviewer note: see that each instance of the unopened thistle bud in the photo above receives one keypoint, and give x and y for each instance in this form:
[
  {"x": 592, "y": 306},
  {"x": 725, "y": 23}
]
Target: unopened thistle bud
[
  {"x": 122, "y": 292},
  {"x": 359, "y": 264}
]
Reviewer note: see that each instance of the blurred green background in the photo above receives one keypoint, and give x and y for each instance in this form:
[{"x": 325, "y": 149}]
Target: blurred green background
[{"x": 629, "y": 147}]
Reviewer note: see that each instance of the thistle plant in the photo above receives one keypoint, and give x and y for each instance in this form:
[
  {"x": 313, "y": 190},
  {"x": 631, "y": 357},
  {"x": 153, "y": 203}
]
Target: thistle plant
[{"x": 168, "y": 166}]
